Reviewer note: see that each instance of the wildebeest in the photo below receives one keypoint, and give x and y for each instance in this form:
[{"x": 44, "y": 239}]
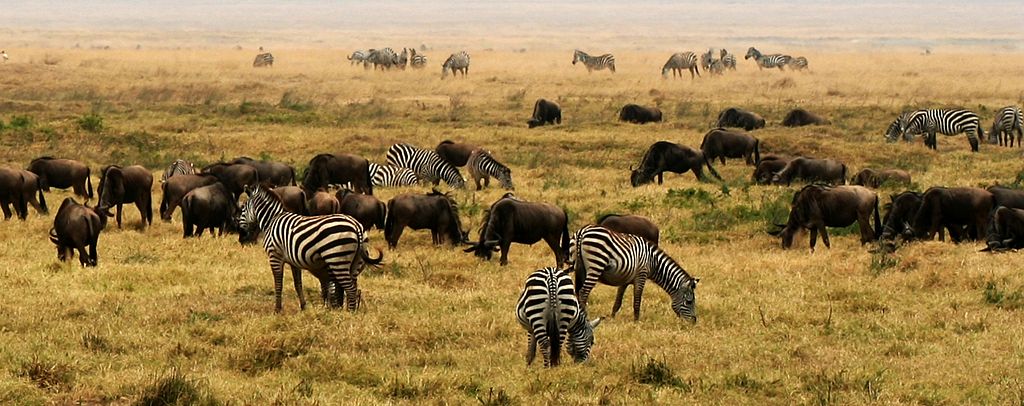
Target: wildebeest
[
  {"x": 130, "y": 184},
  {"x": 1007, "y": 230},
  {"x": 767, "y": 168},
  {"x": 12, "y": 191},
  {"x": 816, "y": 207},
  {"x": 511, "y": 220},
  {"x": 274, "y": 173},
  {"x": 544, "y": 112},
  {"x": 325, "y": 169},
  {"x": 435, "y": 211},
  {"x": 876, "y": 178},
  {"x": 366, "y": 209},
  {"x": 31, "y": 188},
  {"x": 455, "y": 153},
  {"x": 812, "y": 170},
  {"x": 637, "y": 114},
  {"x": 952, "y": 206},
  {"x": 737, "y": 117},
  {"x": 235, "y": 177},
  {"x": 207, "y": 207},
  {"x": 900, "y": 212},
  {"x": 62, "y": 174},
  {"x": 322, "y": 203},
  {"x": 800, "y": 117},
  {"x": 293, "y": 199},
  {"x": 664, "y": 156},
  {"x": 720, "y": 143},
  {"x": 75, "y": 227},
  {"x": 177, "y": 187},
  {"x": 631, "y": 224},
  {"x": 1004, "y": 196}
]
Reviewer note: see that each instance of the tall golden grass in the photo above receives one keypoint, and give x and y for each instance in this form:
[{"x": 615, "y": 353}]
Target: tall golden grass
[{"x": 163, "y": 317}]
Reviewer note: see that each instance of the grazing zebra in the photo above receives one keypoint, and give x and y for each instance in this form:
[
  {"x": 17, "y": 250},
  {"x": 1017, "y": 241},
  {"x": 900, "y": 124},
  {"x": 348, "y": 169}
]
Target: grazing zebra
[
  {"x": 401, "y": 60},
  {"x": 456, "y": 62},
  {"x": 427, "y": 165},
  {"x": 606, "y": 61},
  {"x": 332, "y": 247},
  {"x": 1008, "y": 120},
  {"x": 679, "y": 62},
  {"x": 798, "y": 63},
  {"x": 945, "y": 121},
  {"x": 387, "y": 175},
  {"x": 599, "y": 254},
  {"x": 767, "y": 61},
  {"x": 717, "y": 67},
  {"x": 895, "y": 131},
  {"x": 416, "y": 60},
  {"x": 178, "y": 167},
  {"x": 729, "y": 60},
  {"x": 706, "y": 59},
  {"x": 483, "y": 166},
  {"x": 383, "y": 58},
  {"x": 550, "y": 313},
  {"x": 263, "y": 60},
  {"x": 358, "y": 57}
]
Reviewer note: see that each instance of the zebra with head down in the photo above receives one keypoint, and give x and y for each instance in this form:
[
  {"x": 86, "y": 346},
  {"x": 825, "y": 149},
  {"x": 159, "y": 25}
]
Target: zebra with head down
[{"x": 457, "y": 62}]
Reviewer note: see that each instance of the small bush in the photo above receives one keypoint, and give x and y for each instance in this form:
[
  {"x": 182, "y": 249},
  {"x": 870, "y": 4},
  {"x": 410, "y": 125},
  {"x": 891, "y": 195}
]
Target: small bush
[
  {"x": 291, "y": 101},
  {"x": 176, "y": 389},
  {"x": 271, "y": 353},
  {"x": 21, "y": 122},
  {"x": 882, "y": 261},
  {"x": 91, "y": 122},
  {"x": 499, "y": 398},
  {"x": 689, "y": 198},
  {"x": 996, "y": 295},
  {"x": 656, "y": 373},
  {"x": 48, "y": 375},
  {"x": 97, "y": 343}
]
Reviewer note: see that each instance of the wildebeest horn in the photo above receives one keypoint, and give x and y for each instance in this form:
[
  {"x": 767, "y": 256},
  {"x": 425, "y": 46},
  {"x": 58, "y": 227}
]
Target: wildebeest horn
[
  {"x": 472, "y": 247},
  {"x": 631, "y": 168},
  {"x": 491, "y": 242}
]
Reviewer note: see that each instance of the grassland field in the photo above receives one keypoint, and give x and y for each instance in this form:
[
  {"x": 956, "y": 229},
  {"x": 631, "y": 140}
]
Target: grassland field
[{"x": 162, "y": 318}]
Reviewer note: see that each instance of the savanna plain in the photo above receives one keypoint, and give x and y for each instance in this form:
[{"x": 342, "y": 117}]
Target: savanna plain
[{"x": 191, "y": 320}]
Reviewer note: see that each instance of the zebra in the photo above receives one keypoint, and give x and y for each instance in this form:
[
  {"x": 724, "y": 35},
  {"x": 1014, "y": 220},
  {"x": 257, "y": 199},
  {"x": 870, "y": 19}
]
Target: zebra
[
  {"x": 483, "y": 166},
  {"x": 717, "y": 67},
  {"x": 178, "y": 167},
  {"x": 707, "y": 58},
  {"x": 426, "y": 164},
  {"x": 599, "y": 254},
  {"x": 387, "y": 175},
  {"x": 332, "y": 247},
  {"x": 894, "y": 132},
  {"x": 456, "y": 62},
  {"x": 798, "y": 63},
  {"x": 679, "y": 62},
  {"x": 402, "y": 60},
  {"x": 550, "y": 313},
  {"x": 383, "y": 58},
  {"x": 263, "y": 59},
  {"x": 606, "y": 61},
  {"x": 767, "y": 61},
  {"x": 358, "y": 57},
  {"x": 945, "y": 121},
  {"x": 1008, "y": 120},
  {"x": 415, "y": 60},
  {"x": 728, "y": 60}
]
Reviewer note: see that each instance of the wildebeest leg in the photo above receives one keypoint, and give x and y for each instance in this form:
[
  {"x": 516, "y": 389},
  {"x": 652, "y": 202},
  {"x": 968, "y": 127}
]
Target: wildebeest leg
[
  {"x": 638, "y": 293},
  {"x": 531, "y": 349},
  {"x": 297, "y": 279},
  {"x": 660, "y": 177},
  {"x": 62, "y": 253},
  {"x": 866, "y": 233},
  {"x": 397, "y": 230},
  {"x": 505, "y": 245},
  {"x": 83, "y": 256},
  {"x": 145, "y": 210},
  {"x": 94, "y": 259},
  {"x": 119, "y": 206},
  {"x": 487, "y": 181},
  {"x": 618, "y": 299},
  {"x": 277, "y": 268},
  {"x": 7, "y": 209},
  {"x": 814, "y": 237},
  {"x": 824, "y": 237},
  {"x": 435, "y": 236}
]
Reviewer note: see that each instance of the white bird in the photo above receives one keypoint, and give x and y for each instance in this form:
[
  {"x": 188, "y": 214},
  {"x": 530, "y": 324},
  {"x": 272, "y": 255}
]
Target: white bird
[{"x": 3, "y": 54}]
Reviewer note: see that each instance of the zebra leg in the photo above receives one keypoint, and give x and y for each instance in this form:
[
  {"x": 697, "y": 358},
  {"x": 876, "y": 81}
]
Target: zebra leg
[
  {"x": 618, "y": 299},
  {"x": 545, "y": 348},
  {"x": 349, "y": 288},
  {"x": 276, "y": 267},
  {"x": 531, "y": 350},
  {"x": 638, "y": 294},
  {"x": 297, "y": 279}
]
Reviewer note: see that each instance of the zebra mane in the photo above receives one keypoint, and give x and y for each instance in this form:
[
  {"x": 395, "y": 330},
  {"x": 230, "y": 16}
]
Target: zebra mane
[{"x": 663, "y": 264}]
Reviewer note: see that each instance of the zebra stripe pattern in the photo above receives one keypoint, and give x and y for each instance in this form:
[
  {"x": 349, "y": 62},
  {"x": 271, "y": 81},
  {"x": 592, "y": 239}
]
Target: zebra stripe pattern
[
  {"x": 551, "y": 314},
  {"x": 483, "y": 166},
  {"x": 262, "y": 60},
  {"x": 895, "y": 130},
  {"x": 767, "y": 61},
  {"x": 360, "y": 57},
  {"x": 178, "y": 167},
  {"x": 728, "y": 60},
  {"x": 606, "y": 61},
  {"x": 426, "y": 164},
  {"x": 679, "y": 62},
  {"x": 599, "y": 254},
  {"x": 1008, "y": 120},
  {"x": 332, "y": 247},
  {"x": 945, "y": 121},
  {"x": 457, "y": 62},
  {"x": 416, "y": 60},
  {"x": 383, "y": 58},
  {"x": 798, "y": 63},
  {"x": 392, "y": 176}
]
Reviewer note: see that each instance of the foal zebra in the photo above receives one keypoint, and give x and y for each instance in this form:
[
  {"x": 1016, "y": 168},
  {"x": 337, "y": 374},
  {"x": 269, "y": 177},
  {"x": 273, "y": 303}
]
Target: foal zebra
[
  {"x": 1008, "y": 120},
  {"x": 426, "y": 164},
  {"x": 483, "y": 166},
  {"x": 332, "y": 247},
  {"x": 945, "y": 121},
  {"x": 728, "y": 60},
  {"x": 457, "y": 62},
  {"x": 393, "y": 176},
  {"x": 679, "y": 62},
  {"x": 178, "y": 167},
  {"x": 606, "y": 61},
  {"x": 767, "y": 61},
  {"x": 550, "y": 313},
  {"x": 599, "y": 254},
  {"x": 264, "y": 59}
]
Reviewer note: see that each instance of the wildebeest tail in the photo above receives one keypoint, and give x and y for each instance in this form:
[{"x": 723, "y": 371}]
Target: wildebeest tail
[
  {"x": 389, "y": 222},
  {"x": 710, "y": 168},
  {"x": 842, "y": 179},
  {"x": 369, "y": 180},
  {"x": 293, "y": 175},
  {"x": 757, "y": 152},
  {"x": 88, "y": 182},
  {"x": 42, "y": 198},
  {"x": 878, "y": 221},
  {"x": 565, "y": 238},
  {"x": 382, "y": 215}
]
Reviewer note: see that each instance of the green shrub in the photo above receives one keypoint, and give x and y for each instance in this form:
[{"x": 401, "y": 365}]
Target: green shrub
[{"x": 91, "y": 122}]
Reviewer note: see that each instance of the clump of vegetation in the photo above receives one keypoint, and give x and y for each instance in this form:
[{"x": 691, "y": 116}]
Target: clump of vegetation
[
  {"x": 270, "y": 354},
  {"x": 499, "y": 398},
  {"x": 456, "y": 107},
  {"x": 176, "y": 389},
  {"x": 1002, "y": 297},
  {"x": 92, "y": 122},
  {"x": 20, "y": 122},
  {"x": 97, "y": 343},
  {"x": 49, "y": 375},
  {"x": 689, "y": 198},
  {"x": 291, "y": 101},
  {"x": 656, "y": 373},
  {"x": 882, "y": 261}
]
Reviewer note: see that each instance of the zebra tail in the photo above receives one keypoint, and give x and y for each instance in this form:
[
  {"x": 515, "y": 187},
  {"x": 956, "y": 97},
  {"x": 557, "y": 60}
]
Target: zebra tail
[
  {"x": 88, "y": 182},
  {"x": 757, "y": 152},
  {"x": 551, "y": 316},
  {"x": 374, "y": 262},
  {"x": 579, "y": 268}
]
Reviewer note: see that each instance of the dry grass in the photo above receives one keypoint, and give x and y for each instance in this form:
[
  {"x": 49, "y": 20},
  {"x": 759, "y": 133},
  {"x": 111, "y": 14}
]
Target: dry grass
[{"x": 166, "y": 318}]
